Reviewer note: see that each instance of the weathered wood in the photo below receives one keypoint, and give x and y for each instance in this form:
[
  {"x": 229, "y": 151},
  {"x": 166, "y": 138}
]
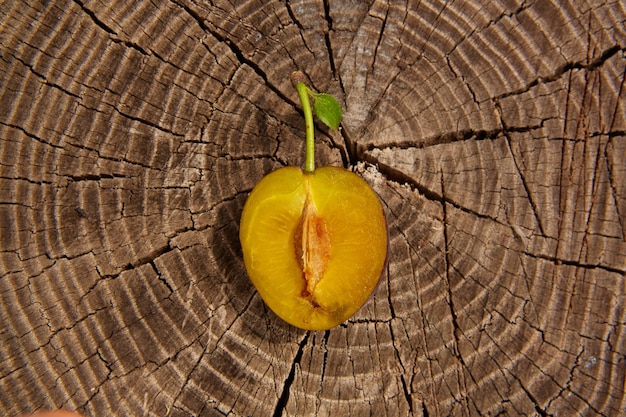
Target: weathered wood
[{"x": 131, "y": 133}]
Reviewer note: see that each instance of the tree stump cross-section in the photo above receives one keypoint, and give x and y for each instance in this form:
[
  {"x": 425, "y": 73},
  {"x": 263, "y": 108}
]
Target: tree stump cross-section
[{"x": 494, "y": 133}]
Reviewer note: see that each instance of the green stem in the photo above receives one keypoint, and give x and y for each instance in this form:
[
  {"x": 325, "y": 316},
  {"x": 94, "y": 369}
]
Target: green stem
[{"x": 298, "y": 80}]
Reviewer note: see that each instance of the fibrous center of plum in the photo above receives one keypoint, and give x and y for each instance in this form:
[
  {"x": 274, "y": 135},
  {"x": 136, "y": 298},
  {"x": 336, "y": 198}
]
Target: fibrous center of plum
[{"x": 312, "y": 244}]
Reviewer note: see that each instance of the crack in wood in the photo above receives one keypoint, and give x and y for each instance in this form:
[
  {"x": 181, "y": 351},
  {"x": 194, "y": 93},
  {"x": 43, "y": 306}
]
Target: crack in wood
[
  {"x": 95, "y": 18},
  {"x": 564, "y": 69},
  {"x": 407, "y": 395},
  {"x": 560, "y": 261},
  {"x": 329, "y": 48},
  {"x": 446, "y": 137},
  {"x": 283, "y": 399},
  {"x": 456, "y": 329},
  {"x": 394, "y": 175},
  {"x": 381, "y": 34},
  {"x": 237, "y": 52},
  {"x": 522, "y": 177},
  {"x": 534, "y": 401}
]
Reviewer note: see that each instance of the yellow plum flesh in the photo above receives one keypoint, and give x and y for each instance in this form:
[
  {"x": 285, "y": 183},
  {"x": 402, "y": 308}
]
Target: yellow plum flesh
[{"x": 314, "y": 244}]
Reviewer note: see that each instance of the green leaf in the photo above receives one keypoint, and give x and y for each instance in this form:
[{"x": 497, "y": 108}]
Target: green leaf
[{"x": 327, "y": 109}]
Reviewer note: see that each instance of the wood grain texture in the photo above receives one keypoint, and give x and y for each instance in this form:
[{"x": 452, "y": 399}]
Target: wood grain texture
[{"x": 494, "y": 132}]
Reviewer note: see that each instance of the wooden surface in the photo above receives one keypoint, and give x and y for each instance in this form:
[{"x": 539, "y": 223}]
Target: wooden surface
[{"x": 132, "y": 131}]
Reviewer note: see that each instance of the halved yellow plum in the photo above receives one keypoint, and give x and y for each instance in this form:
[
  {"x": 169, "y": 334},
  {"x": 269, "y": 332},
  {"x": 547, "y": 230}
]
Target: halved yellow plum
[{"x": 314, "y": 244}]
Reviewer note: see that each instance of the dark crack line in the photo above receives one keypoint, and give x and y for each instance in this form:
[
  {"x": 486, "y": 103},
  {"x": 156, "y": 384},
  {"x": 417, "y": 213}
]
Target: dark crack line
[
  {"x": 96, "y": 177},
  {"x": 393, "y": 175},
  {"x": 373, "y": 108},
  {"x": 95, "y": 18},
  {"x": 127, "y": 43},
  {"x": 293, "y": 17},
  {"x": 87, "y": 148},
  {"x": 406, "y": 389},
  {"x": 381, "y": 35},
  {"x": 462, "y": 78},
  {"x": 144, "y": 260},
  {"x": 562, "y": 185},
  {"x": 44, "y": 79},
  {"x": 148, "y": 123},
  {"x": 570, "y": 66},
  {"x": 612, "y": 177},
  {"x": 595, "y": 185},
  {"x": 533, "y": 400},
  {"x": 188, "y": 378},
  {"x": 348, "y": 151},
  {"x": 392, "y": 310},
  {"x": 324, "y": 347},
  {"x": 31, "y": 135},
  {"x": 237, "y": 52},
  {"x": 284, "y": 396},
  {"x": 407, "y": 394},
  {"x": 560, "y": 261},
  {"x": 301, "y": 29},
  {"x": 325, "y": 356},
  {"x": 449, "y": 137},
  {"x": 529, "y": 195},
  {"x": 455, "y": 325},
  {"x": 123, "y": 159},
  {"x": 331, "y": 59}
]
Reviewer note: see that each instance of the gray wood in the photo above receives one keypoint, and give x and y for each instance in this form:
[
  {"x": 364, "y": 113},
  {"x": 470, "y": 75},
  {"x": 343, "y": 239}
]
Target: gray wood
[{"x": 132, "y": 131}]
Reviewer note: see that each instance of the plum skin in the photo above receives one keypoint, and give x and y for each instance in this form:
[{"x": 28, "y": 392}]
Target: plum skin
[{"x": 347, "y": 244}]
